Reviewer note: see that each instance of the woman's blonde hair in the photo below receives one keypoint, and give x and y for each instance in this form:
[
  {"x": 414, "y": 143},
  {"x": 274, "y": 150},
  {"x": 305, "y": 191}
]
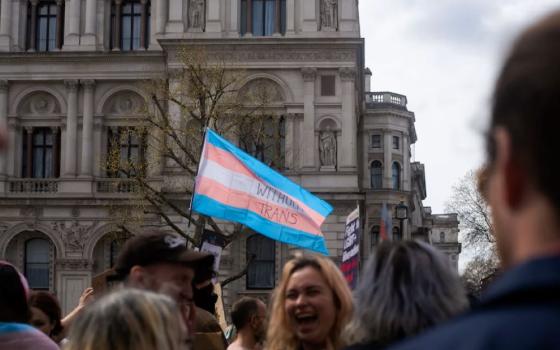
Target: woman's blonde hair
[
  {"x": 128, "y": 319},
  {"x": 279, "y": 335}
]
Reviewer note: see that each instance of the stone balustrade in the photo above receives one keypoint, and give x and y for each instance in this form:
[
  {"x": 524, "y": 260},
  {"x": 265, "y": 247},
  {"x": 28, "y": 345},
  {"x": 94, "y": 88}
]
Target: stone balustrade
[
  {"x": 385, "y": 98},
  {"x": 33, "y": 185}
]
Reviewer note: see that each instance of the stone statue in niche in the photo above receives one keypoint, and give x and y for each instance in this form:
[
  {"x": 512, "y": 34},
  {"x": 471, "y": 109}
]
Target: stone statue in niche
[
  {"x": 327, "y": 148},
  {"x": 196, "y": 14},
  {"x": 329, "y": 14}
]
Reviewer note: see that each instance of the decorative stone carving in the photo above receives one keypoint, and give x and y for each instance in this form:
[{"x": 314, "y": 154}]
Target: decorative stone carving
[
  {"x": 75, "y": 212},
  {"x": 74, "y": 264},
  {"x": 347, "y": 74},
  {"x": 262, "y": 91},
  {"x": 3, "y": 85},
  {"x": 272, "y": 54},
  {"x": 329, "y": 15},
  {"x": 327, "y": 147},
  {"x": 197, "y": 11},
  {"x": 308, "y": 74},
  {"x": 124, "y": 103},
  {"x": 71, "y": 85},
  {"x": 30, "y": 212},
  {"x": 74, "y": 237},
  {"x": 39, "y": 103}
]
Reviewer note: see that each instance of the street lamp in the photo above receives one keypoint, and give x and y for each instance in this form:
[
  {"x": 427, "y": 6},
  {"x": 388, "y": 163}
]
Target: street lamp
[{"x": 401, "y": 213}]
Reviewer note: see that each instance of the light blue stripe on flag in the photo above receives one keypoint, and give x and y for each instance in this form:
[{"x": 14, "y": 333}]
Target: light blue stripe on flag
[
  {"x": 272, "y": 177},
  {"x": 208, "y": 206}
]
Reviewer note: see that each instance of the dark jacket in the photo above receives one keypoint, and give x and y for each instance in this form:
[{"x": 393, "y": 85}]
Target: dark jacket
[{"x": 521, "y": 310}]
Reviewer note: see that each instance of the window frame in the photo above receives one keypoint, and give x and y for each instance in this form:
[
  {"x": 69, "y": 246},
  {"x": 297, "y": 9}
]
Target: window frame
[
  {"x": 378, "y": 144},
  {"x": 328, "y": 85},
  {"x": 249, "y": 7},
  {"x": 117, "y": 141},
  {"x": 396, "y": 176},
  {"x": 396, "y": 142},
  {"x": 376, "y": 176},
  {"x": 270, "y": 261},
  {"x": 46, "y": 263}
]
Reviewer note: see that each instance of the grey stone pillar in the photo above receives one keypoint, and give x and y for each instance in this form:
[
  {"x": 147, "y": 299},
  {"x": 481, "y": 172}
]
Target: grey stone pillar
[
  {"x": 387, "y": 158},
  {"x": 308, "y": 132},
  {"x": 3, "y": 118},
  {"x": 86, "y": 169},
  {"x": 74, "y": 17},
  {"x": 406, "y": 162},
  {"x": 91, "y": 14},
  {"x": 289, "y": 142},
  {"x": 290, "y": 17},
  {"x": 6, "y": 18},
  {"x": 161, "y": 15},
  {"x": 70, "y": 144},
  {"x": 175, "y": 14},
  {"x": 349, "y": 120}
]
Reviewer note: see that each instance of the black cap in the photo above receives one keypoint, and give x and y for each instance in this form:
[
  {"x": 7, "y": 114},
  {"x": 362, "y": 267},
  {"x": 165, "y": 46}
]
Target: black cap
[{"x": 158, "y": 247}]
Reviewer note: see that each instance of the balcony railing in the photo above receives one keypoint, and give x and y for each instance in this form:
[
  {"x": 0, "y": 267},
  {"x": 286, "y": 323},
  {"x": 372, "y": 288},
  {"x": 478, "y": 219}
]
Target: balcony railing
[
  {"x": 374, "y": 99},
  {"x": 33, "y": 185},
  {"x": 117, "y": 186}
]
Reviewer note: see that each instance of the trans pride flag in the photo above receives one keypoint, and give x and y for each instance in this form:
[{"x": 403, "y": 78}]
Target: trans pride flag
[{"x": 234, "y": 186}]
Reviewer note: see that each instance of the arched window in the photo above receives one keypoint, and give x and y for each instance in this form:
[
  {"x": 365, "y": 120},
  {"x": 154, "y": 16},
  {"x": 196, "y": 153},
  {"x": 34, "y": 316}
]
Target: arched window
[
  {"x": 397, "y": 236},
  {"x": 115, "y": 249},
  {"x": 37, "y": 263},
  {"x": 261, "y": 274},
  {"x": 263, "y": 17},
  {"x": 396, "y": 170},
  {"x": 130, "y": 25},
  {"x": 442, "y": 237},
  {"x": 374, "y": 235},
  {"x": 376, "y": 174}
]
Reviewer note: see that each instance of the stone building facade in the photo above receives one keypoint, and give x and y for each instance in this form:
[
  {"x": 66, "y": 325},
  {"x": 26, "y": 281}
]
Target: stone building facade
[{"x": 71, "y": 74}]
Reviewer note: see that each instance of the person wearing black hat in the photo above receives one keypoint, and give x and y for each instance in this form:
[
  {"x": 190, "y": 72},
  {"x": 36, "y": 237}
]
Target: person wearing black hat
[{"x": 161, "y": 262}]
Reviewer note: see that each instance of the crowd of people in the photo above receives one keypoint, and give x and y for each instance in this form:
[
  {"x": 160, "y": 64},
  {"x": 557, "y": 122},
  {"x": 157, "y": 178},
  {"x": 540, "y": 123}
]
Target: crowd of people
[{"x": 409, "y": 297}]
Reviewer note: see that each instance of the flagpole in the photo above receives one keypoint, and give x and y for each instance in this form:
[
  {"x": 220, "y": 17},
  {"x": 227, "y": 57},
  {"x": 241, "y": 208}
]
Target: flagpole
[{"x": 204, "y": 131}]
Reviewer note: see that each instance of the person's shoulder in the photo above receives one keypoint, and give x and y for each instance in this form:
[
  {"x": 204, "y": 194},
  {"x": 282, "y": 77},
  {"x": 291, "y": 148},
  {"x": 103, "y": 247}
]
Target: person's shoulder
[
  {"x": 485, "y": 329},
  {"x": 24, "y": 337}
]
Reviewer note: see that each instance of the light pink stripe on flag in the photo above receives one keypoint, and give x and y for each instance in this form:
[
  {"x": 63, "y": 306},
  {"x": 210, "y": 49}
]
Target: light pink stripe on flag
[
  {"x": 243, "y": 200},
  {"x": 230, "y": 162}
]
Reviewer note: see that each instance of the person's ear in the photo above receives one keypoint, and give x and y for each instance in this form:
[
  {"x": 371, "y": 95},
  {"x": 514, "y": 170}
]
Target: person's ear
[
  {"x": 137, "y": 276},
  {"x": 515, "y": 183}
]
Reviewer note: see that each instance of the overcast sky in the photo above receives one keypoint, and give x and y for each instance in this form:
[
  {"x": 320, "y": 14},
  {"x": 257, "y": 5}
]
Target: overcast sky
[{"x": 443, "y": 55}]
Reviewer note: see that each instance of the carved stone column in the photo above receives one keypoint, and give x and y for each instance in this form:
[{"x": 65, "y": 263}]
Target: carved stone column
[
  {"x": 290, "y": 17},
  {"x": 87, "y": 129},
  {"x": 5, "y": 25},
  {"x": 406, "y": 161},
  {"x": 308, "y": 132},
  {"x": 90, "y": 34},
  {"x": 348, "y": 151},
  {"x": 3, "y": 119},
  {"x": 70, "y": 144},
  {"x": 289, "y": 142},
  {"x": 161, "y": 12},
  {"x": 72, "y": 38},
  {"x": 387, "y": 158},
  {"x": 175, "y": 23}
]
